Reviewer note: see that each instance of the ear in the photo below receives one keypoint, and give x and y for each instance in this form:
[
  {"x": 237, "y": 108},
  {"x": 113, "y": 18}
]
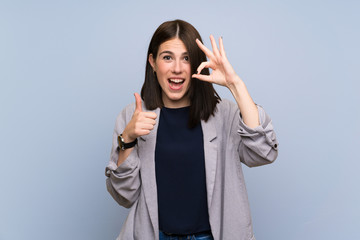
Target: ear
[{"x": 152, "y": 61}]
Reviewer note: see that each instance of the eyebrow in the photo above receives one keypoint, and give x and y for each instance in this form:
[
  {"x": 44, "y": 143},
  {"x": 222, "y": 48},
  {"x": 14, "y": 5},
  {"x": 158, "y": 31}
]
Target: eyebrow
[{"x": 169, "y": 52}]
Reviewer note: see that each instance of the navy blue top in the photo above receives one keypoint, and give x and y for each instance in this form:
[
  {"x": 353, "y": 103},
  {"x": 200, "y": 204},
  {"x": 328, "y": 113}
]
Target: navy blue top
[{"x": 180, "y": 174}]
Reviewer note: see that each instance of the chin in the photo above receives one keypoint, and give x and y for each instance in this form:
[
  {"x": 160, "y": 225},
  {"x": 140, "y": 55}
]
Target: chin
[
  {"x": 176, "y": 97},
  {"x": 176, "y": 100}
]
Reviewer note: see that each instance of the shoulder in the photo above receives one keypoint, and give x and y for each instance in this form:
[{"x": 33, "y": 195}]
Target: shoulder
[
  {"x": 226, "y": 107},
  {"x": 225, "y": 115},
  {"x": 226, "y": 104},
  {"x": 126, "y": 113}
]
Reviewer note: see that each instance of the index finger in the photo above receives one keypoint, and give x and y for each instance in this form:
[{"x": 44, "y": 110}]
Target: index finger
[
  {"x": 204, "y": 49},
  {"x": 151, "y": 115}
]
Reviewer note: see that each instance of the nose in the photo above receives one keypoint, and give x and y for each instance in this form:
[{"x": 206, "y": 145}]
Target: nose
[{"x": 177, "y": 67}]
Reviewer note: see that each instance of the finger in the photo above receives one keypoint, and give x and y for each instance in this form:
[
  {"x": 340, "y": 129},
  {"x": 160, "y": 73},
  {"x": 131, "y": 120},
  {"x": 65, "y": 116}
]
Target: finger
[
  {"x": 146, "y": 132},
  {"x": 205, "y": 78},
  {"x": 139, "y": 127},
  {"x": 142, "y": 132},
  {"x": 202, "y": 66},
  {"x": 221, "y": 45},
  {"x": 214, "y": 46},
  {"x": 207, "y": 52},
  {"x": 147, "y": 127},
  {"x": 149, "y": 121},
  {"x": 138, "y": 102},
  {"x": 150, "y": 115}
]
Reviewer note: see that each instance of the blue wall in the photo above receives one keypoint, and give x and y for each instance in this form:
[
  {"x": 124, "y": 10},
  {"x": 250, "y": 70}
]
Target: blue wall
[{"x": 67, "y": 68}]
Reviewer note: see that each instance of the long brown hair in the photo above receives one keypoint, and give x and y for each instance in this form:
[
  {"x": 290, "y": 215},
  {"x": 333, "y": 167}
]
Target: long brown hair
[{"x": 202, "y": 95}]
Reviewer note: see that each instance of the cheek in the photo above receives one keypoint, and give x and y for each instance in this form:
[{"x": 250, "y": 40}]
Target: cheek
[
  {"x": 188, "y": 71},
  {"x": 189, "y": 67},
  {"x": 162, "y": 68}
]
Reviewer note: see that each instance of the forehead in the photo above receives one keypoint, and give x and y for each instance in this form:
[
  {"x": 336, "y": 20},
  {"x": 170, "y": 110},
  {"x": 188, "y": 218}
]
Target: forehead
[{"x": 174, "y": 45}]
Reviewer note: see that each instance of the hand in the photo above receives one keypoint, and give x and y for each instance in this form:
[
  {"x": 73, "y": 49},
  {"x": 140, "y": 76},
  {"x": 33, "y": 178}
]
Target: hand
[
  {"x": 222, "y": 72},
  {"x": 140, "y": 124}
]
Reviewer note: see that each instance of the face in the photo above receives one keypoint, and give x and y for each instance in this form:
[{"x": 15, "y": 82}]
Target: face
[{"x": 173, "y": 71}]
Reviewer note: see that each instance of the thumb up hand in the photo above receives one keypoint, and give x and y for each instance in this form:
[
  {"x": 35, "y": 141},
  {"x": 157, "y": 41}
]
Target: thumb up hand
[{"x": 141, "y": 122}]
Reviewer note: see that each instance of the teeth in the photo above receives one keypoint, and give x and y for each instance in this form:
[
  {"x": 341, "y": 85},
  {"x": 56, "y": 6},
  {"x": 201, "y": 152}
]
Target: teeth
[{"x": 176, "y": 80}]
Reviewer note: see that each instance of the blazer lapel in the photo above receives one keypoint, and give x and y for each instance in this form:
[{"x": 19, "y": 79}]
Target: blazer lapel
[
  {"x": 147, "y": 145},
  {"x": 210, "y": 151}
]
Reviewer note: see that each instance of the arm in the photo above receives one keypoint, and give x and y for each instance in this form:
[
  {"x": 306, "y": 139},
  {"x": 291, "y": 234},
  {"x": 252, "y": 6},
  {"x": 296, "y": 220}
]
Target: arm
[
  {"x": 123, "y": 181},
  {"x": 223, "y": 74},
  {"x": 258, "y": 143},
  {"x": 123, "y": 171},
  {"x": 258, "y": 146}
]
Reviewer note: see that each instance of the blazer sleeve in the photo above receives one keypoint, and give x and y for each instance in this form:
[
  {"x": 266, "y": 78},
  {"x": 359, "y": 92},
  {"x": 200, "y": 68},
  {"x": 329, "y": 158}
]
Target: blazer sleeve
[
  {"x": 258, "y": 146},
  {"x": 123, "y": 182}
]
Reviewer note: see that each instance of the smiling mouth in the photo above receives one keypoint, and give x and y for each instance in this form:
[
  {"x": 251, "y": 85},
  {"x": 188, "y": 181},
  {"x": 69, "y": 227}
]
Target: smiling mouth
[{"x": 176, "y": 83}]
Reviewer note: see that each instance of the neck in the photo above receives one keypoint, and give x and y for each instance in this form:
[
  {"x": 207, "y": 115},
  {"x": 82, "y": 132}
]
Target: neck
[{"x": 184, "y": 102}]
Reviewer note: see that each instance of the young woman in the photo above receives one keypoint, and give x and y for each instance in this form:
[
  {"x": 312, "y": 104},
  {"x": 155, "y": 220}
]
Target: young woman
[{"x": 177, "y": 151}]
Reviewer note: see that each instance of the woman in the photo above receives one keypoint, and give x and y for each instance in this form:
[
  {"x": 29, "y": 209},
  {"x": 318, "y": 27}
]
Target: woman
[{"x": 175, "y": 159}]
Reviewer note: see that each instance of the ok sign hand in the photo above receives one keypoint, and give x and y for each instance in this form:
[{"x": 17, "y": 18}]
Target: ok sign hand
[{"x": 222, "y": 72}]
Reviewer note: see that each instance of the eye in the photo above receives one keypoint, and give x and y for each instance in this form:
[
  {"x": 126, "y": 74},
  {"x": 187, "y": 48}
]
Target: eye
[
  {"x": 167, "y": 58},
  {"x": 186, "y": 58}
]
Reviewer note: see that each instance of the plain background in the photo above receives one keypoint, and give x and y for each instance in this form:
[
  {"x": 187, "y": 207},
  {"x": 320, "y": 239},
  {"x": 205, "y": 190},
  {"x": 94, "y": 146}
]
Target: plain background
[{"x": 67, "y": 68}]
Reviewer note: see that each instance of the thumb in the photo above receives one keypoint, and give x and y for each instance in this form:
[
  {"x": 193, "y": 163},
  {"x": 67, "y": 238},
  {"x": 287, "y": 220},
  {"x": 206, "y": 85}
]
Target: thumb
[{"x": 138, "y": 102}]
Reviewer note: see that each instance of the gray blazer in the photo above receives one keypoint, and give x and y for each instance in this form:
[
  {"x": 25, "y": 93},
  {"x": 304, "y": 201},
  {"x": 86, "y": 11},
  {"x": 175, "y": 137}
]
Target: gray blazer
[{"x": 227, "y": 143}]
